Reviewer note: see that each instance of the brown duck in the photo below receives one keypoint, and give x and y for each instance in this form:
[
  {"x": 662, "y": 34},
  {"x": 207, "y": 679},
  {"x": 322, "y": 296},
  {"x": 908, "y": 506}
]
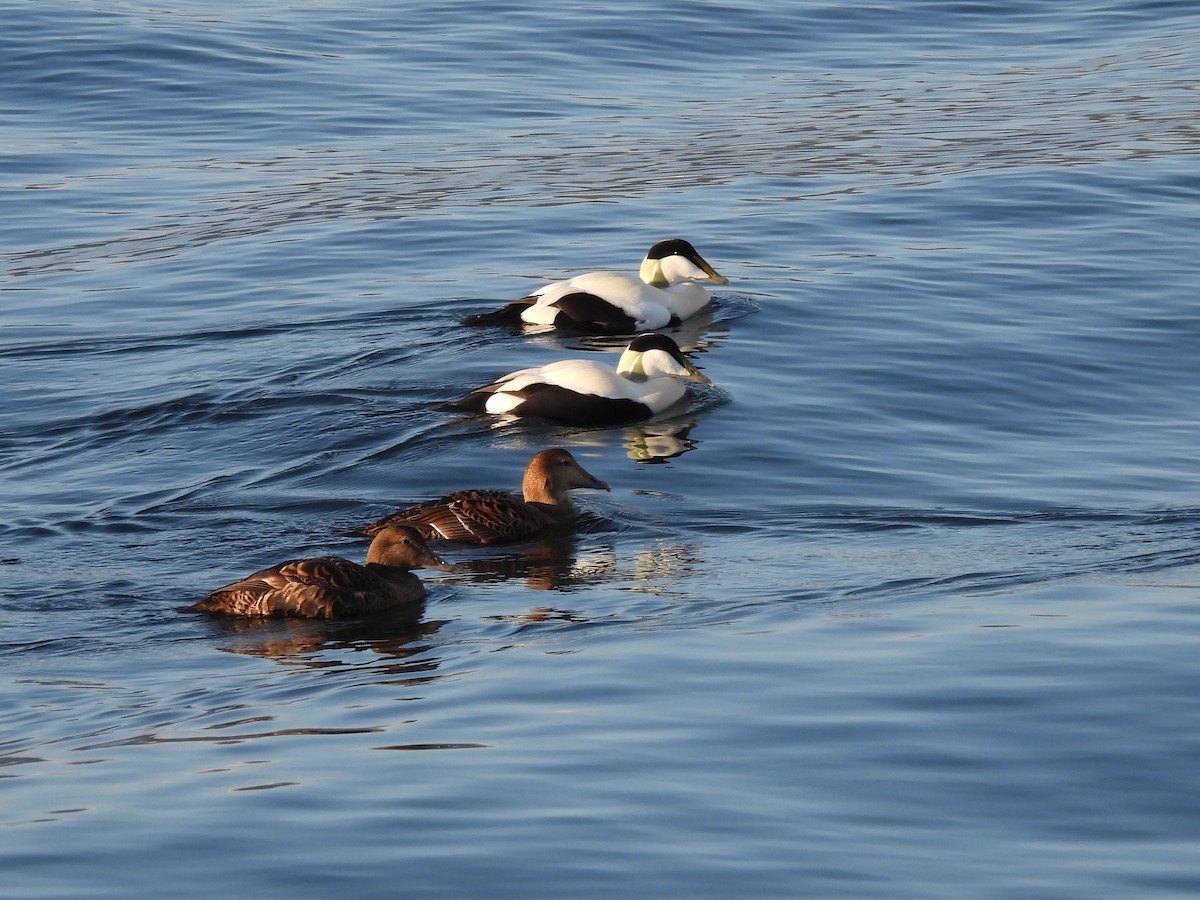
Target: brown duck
[
  {"x": 492, "y": 517},
  {"x": 329, "y": 587}
]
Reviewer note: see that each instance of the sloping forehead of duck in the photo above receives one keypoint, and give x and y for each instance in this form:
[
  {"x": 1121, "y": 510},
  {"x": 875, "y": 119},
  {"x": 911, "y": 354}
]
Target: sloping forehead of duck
[
  {"x": 644, "y": 343},
  {"x": 673, "y": 247}
]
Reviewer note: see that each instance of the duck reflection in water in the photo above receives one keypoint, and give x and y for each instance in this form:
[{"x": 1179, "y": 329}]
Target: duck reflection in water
[
  {"x": 399, "y": 640},
  {"x": 550, "y": 564},
  {"x": 656, "y": 442}
]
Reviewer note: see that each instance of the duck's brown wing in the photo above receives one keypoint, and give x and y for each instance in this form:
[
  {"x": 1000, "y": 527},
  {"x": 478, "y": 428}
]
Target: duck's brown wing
[
  {"x": 472, "y": 517},
  {"x": 321, "y": 588}
]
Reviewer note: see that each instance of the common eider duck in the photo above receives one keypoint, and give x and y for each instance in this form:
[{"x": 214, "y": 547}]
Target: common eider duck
[
  {"x": 647, "y": 379},
  {"x": 329, "y": 587},
  {"x": 491, "y": 516},
  {"x": 665, "y": 292}
]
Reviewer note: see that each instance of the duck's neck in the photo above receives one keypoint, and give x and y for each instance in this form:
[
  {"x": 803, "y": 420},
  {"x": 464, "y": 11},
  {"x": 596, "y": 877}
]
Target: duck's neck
[
  {"x": 389, "y": 573},
  {"x": 537, "y": 489}
]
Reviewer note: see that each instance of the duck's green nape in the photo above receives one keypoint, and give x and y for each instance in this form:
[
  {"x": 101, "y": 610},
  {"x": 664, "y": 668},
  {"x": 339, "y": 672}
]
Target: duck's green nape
[{"x": 651, "y": 272}]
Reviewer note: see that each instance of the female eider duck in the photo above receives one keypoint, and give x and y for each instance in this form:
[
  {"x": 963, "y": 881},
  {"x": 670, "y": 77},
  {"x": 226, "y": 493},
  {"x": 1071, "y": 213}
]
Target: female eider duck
[
  {"x": 492, "y": 517},
  {"x": 665, "y": 292},
  {"x": 646, "y": 381},
  {"x": 329, "y": 587}
]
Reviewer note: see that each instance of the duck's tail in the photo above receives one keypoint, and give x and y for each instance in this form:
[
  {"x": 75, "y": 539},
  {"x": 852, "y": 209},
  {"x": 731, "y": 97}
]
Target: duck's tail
[
  {"x": 474, "y": 402},
  {"x": 509, "y": 314}
]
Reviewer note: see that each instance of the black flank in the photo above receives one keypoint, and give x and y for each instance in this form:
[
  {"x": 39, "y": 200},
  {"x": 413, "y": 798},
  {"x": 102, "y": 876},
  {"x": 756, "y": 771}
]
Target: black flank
[
  {"x": 587, "y": 312},
  {"x": 549, "y": 401}
]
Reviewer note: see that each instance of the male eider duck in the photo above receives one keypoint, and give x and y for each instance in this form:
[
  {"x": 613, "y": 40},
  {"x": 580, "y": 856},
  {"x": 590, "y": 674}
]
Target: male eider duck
[
  {"x": 646, "y": 381},
  {"x": 492, "y": 517},
  {"x": 665, "y": 292},
  {"x": 329, "y": 587}
]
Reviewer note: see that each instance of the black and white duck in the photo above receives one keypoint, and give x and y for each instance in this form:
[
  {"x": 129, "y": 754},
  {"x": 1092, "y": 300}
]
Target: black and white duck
[
  {"x": 647, "y": 379},
  {"x": 667, "y": 290}
]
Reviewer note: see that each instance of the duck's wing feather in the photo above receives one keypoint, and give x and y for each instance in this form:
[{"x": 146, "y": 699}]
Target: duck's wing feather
[
  {"x": 472, "y": 517},
  {"x": 494, "y": 516},
  {"x": 322, "y": 587},
  {"x": 615, "y": 287},
  {"x": 584, "y": 376}
]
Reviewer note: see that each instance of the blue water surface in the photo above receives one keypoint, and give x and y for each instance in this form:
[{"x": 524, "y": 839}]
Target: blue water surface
[{"x": 903, "y": 605}]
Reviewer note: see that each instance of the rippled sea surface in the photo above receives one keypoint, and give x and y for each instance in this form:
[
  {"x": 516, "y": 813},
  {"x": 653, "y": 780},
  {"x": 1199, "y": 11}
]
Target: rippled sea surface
[{"x": 906, "y": 605}]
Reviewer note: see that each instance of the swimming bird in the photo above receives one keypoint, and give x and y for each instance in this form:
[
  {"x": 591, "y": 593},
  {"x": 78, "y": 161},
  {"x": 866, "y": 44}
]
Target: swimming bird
[
  {"x": 646, "y": 380},
  {"x": 665, "y": 291},
  {"x": 329, "y": 587},
  {"x": 491, "y": 516}
]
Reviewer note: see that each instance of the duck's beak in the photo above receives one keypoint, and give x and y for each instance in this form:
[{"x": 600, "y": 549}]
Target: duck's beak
[
  {"x": 436, "y": 562},
  {"x": 713, "y": 275},
  {"x": 596, "y": 483},
  {"x": 695, "y": 374}
]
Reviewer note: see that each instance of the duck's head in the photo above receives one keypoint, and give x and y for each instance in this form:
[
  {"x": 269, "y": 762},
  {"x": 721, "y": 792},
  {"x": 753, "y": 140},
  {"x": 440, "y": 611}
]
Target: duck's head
[
  {"x": 402, "y": 547},
  {"x": 675, "y": 260},
  {"x": 651, "y": 355},
  {"x": 553, "y": 472}
]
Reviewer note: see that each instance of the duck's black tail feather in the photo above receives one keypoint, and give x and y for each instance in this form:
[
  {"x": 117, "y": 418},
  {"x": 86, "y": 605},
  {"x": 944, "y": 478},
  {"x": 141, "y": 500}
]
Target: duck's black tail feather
[
  {"x": 474, "y": 402},
  {"x": 509, "y": 314}
]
